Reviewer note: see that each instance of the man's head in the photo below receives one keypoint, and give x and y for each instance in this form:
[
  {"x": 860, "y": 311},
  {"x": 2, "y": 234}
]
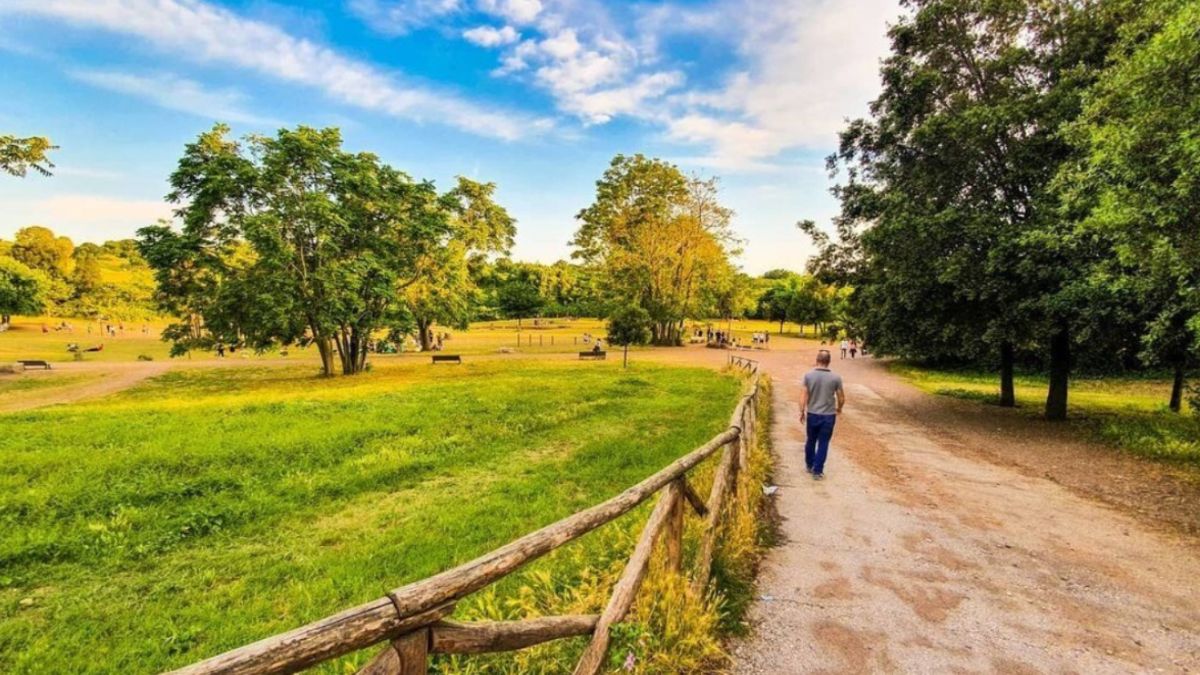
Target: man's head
[{"x": 823, "y": 358}]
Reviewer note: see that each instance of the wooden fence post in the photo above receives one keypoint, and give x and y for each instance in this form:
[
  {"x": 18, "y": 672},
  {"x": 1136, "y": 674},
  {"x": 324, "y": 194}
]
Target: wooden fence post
[
  {"x": 716, "y": 501},
  {"x": 627, "y": 586},
  {"x": 673, "y": 537},
  {"x": 406, "y": 655}
]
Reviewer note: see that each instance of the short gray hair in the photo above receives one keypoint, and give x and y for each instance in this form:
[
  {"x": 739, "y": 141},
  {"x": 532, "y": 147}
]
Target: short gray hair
[{"x": 823, "y": 357}]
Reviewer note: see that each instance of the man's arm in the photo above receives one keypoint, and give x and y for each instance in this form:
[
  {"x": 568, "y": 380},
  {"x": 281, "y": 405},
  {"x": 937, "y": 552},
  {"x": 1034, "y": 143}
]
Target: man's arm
[
  {"x": 804, "y": 402},
  {"x": 841, "y": 398}
]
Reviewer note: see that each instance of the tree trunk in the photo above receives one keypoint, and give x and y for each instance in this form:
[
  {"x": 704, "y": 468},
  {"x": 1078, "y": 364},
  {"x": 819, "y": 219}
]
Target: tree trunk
[
  {"x": 1177, "y": 389},
  {"x": 325, "y": 348},
  {"x": 423, "y": 326},
  {"x": 1060, "y": 374},
  {"x": 625, "y": 360},
  {"x": 781, "y": 326},
  {"x": 1008, "y": 396}
]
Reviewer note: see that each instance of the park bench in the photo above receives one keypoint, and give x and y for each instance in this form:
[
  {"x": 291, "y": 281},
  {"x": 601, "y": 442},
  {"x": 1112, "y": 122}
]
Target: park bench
[
  {"x": 593, "y": 355},
  {"x": 447, "y": 358},
  {"x": 30, "y": 363}
]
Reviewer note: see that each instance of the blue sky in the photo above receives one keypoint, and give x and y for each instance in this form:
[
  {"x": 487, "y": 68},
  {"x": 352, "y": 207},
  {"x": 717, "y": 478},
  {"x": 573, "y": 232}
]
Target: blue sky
[{"x": 535, "y": 95}]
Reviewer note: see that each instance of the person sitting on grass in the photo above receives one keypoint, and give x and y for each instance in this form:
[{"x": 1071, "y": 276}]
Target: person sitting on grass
[{"x": 821, "y": 401}]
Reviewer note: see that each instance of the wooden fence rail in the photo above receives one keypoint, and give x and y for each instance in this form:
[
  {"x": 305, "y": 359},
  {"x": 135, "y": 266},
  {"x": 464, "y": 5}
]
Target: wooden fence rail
[
  {"x": 411, "y": 617},
  {"x": 749, "y": 365}
]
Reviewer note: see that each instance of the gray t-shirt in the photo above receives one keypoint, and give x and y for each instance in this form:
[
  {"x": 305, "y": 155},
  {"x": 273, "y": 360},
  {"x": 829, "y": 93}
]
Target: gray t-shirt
[{"x": 823, "y": 386}]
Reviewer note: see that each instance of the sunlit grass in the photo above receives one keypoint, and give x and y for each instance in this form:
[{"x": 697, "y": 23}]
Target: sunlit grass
[
  {"x": 209, "y": 508},
  {"x": 1129, "y": 413}
]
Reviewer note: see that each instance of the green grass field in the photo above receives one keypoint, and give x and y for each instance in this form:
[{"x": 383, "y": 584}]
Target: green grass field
[
  {"x": 209, "y": 508},
  {"x": 25, "y": 340},
  {"x": 1129, "y": 413}
]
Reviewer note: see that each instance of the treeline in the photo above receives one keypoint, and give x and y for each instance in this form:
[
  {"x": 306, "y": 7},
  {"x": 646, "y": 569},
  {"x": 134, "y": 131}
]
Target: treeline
[
  {"x": 44, "y": 273},
  {"x": 292, "y": 239},
  {"x": 1026, "y": 190}
]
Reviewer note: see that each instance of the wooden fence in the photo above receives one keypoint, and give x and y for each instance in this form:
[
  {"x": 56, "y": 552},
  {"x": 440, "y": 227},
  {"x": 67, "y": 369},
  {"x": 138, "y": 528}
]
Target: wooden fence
[
  {"x": 412, "y": 618},
  {"x": 748, "y": 365}
]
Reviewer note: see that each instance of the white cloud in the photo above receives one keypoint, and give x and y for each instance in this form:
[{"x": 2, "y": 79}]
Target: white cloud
[
  {"x": 808, "y": 66},
  {"x": 205, "y": 33},
  {"x": 397, "y": 17},
  {"x": 601, "y": 105},
  {"x": 177, "y": 93},
  {"x": 797, "y": 69},
  {"x": 520, "y": 12},
  {"x": 487, "y": 36}
]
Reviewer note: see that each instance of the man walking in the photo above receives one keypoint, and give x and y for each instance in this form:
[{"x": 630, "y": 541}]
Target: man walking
[
  {"x": 820, "y": 404},
  {"x": 845, "y": 345}
]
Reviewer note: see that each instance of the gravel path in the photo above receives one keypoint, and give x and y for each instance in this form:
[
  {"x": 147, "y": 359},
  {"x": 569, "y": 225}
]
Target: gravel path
[{"x": 918, "y": 554}]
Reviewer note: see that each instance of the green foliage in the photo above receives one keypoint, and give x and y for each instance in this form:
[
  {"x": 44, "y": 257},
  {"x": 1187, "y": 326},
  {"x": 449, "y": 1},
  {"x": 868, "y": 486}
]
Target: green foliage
[
  {"x": 293, "y": 239},
  {"x": 797, "y": 298},
  {"x": 629, "y": 325},
  {"x": 1139, "y": 179},
  {"x": 239, "y": 502},
  {"x": 22, "y": 290},
  {"x": 518, "y": 292},
  {"x": 951, "y": 232},
  {"x": 19, "y": 155},
  {"x": 446, "y": 290},
  {"x": 660, "y": 240}
]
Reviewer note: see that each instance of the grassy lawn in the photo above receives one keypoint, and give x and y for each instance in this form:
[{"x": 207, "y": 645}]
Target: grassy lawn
[
  {"x": 209, "y": 508},
  {"x": 25, "y": 340},
  {"x": 1129, "y": 413},
  {"x": 12, "y": 384}
]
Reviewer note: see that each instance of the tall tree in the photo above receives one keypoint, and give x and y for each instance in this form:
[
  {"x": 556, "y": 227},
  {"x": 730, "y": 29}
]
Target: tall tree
[
  {"x": 659, "y": 238},
  {"x": 446, "y": 291},
  {"x": 951, "y": 233},
  {"x": 291, "y": 238},
  {"x": 1139, "y": 178},
  {"x": 19, "y": 155}
]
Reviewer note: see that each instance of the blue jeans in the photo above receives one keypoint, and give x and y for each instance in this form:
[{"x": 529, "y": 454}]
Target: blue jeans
[{"x": 816, "y": 445}]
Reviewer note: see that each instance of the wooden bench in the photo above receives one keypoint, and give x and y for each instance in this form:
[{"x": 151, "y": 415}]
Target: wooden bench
[
  {"x": 593, "y": 355},
  {"x": 33, "y": 363},
  {"x": 447, "y": 358}
]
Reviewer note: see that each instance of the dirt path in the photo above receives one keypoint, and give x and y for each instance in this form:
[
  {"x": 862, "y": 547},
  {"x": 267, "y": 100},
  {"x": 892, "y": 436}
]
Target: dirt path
[
  {"x": 99, "y": 380},
  {"x": 918, "y": 554}
]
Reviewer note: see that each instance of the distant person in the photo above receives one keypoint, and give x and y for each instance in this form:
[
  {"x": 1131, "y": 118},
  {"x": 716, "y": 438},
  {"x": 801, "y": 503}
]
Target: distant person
[
  {"x": 820, "y": 403},
  {"x": 853, "y": 348},
  {"x": 221, "y": 351},
  {"x": 845, "y": 347},
  {"x": 596, "y": 347}
]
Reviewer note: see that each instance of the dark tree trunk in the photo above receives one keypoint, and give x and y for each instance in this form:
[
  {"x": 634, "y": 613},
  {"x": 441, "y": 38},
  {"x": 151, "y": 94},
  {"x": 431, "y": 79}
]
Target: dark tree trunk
[
  {"x": 1008, "y": 396},
  {"x": 352, "y": 348},
  {"x": 781, "y": 326},
  {"x": 1177, "y": 389},
  {"x": 423, "y": 326},
  {"x": 625, "y": 359},
  {"x": 1060, "y": 375},
  {"x": 325, "y": 348}
]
